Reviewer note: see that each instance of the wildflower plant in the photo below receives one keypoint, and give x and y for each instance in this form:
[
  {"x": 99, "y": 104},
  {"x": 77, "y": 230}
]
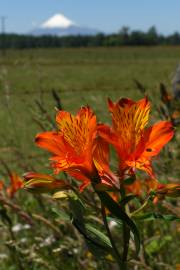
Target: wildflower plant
[{"x": 81, "y": 162}]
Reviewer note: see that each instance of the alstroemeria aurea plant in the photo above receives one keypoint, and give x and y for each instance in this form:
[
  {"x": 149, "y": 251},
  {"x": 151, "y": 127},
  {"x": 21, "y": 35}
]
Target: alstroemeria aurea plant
[
  {"x": 80, "y": 148},
  {"x": 73, "y": 145},
  {"x": 135, "y": 144}
]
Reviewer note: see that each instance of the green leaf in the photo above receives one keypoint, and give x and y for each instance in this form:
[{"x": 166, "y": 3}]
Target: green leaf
[
  {"x": 97, "y": 234},
  {"x": 127, "y": 199},
  {"x": 104, "y": 187},
  {"x": 152, "y": 216},
  {"x": 61, "y": 214},
  {"x": 4, "y": 216},
  {"x": 156, "y": 244},
  {"x": 119, "y": 213},
  {"x": 77, "y": 210},
  {"x": 116, "y": 220},
  {"x": 129, "y": 181},
  {"x": 93, "y": 236}
]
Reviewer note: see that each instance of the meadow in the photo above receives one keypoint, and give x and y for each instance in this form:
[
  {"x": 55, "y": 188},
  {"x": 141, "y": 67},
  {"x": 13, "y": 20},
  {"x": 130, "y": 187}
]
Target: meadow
[{"x": 79, "y": 76}]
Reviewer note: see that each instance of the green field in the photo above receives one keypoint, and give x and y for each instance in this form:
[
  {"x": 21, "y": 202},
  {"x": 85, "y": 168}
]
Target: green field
[{"x": 79, "y": 76}]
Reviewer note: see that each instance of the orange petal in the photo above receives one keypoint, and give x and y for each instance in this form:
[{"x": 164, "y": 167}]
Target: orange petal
[
  {"x": 129, "y": 120},
  {"x": 51, "y": 141},
  {"x": 127, "y": 113},
  {"x": 107, "y": 134},
  {"x": 123, "y": 102},
  {"x": 64, "y": 154},
  {"x": 78, "y": 175},
  {"x": 101, "y": 161},
  {"x": 15, "y": 185},
  {"x": 142, "y": 164},
  {"x": 1, "y": 184},
  {"x": 78, "y": 131},
  {"x": 156, "y": 137},
  {"x": 34, "y": 175}
]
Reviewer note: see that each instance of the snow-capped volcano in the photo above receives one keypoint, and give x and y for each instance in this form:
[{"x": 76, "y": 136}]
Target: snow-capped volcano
[
  {"x": 59, "y": 25},
  {"x": 58, "y": 20}
]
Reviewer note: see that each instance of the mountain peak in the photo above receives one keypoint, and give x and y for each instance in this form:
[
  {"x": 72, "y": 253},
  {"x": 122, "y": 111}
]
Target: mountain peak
[
  {"x": 56, "y": 21},
  {"x": 59, "y": 25}
]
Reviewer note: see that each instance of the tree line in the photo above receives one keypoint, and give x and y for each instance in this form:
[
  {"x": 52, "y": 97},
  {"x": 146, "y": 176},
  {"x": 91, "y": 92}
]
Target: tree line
[{"x": 124, "y": 37}]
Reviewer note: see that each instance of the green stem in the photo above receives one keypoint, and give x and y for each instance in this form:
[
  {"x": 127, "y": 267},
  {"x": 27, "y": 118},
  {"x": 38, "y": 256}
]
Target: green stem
[
  {"x": 126, "y": 237},
  {"x": 126, "y": 233},
  {"x": 121, "y": 264},
  {"x": 140, "y": 208}
]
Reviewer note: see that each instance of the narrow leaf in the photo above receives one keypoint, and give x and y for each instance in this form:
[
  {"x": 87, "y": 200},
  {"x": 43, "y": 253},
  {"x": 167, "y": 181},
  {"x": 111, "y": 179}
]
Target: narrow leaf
[
  {"x": 118, "y": 212},
  {"x": 127, "y": 199},
  {"x": 98, "y": 234},
  {"x": 61, "y": 214},
  {"x": 152, "y": 216}
]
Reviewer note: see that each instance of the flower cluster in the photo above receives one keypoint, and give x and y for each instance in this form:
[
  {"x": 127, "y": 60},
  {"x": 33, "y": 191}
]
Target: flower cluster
[{"x": 80, "y": 146}]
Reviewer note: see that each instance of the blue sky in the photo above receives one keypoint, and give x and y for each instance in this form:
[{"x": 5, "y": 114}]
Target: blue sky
[{"x": 105, "y": 15}]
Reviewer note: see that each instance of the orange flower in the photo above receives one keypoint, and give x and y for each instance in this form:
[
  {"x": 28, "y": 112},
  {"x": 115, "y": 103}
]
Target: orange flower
[
  {"x": 1, "y": 184},
  {"x": 169, "y": 190},
  {"x": 43, "y": 182},
  {"x": 135, "y": 144},
  {"x": 73, "y": 144},
  {"x": 16, "y": 184},
  {"x": 142, "y": 187}
]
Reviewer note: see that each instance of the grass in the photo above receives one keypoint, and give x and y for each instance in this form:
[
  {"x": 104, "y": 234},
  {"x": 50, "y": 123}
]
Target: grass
[{"x": 80, "y": 76}]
